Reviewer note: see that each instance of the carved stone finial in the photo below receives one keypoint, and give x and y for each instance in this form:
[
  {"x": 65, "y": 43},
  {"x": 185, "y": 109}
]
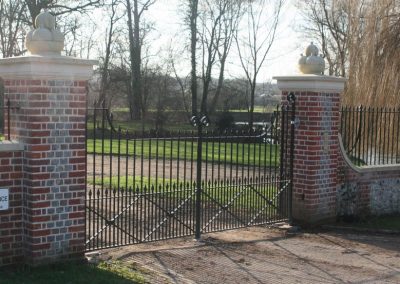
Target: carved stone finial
[
  {"x": 45, "y": 39},
  {"x": 311, "y": 63}
]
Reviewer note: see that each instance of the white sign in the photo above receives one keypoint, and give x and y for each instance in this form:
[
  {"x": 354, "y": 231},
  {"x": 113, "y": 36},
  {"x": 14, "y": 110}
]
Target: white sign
[{"x": 4, "y": 199}]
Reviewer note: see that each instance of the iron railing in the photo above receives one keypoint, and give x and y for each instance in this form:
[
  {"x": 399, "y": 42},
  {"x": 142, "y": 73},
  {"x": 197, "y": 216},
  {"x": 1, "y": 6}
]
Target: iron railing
[
  {"x": 151, "y": 186},
  {"x": 371, "y": 135}
]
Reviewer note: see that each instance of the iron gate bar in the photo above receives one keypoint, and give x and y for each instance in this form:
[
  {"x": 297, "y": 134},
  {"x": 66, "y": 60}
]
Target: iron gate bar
[
  {"x": 198, "y": 181},
  {"x": 170, "y": 214},
  {"x": 224, "y": 207},
  {"x": 109, "y": 221},
  {"x": 262, "y": 196},
  {"x": 270, "y": 203},
  {"x": 292, "y": 100}
]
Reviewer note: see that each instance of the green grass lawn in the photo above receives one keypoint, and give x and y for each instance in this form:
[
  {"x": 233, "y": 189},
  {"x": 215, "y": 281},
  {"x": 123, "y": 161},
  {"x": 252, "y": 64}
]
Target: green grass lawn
[
  {"x": 67, "y": 273},
  {"x": 259, "y": 154},
  {"x": 380, "y": 223},
  {"x": 246, "y": 194}
]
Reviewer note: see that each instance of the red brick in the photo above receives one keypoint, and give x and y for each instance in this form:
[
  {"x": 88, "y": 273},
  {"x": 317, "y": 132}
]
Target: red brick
[
  {"x": 76, "y": 229},
  {"x": 44, "y": 204},
  {"x": 39, "y": 148}
]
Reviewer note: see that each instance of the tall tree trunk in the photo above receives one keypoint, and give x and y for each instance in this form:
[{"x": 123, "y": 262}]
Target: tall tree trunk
[
  {"x": 136, "y": 67},
  {"x": 105, "y": 72},
  {"x": 193, "y": 46},
  {"x": 134, "y": 102},
  {"x": 252, "y": 95},
  {"x": 220, "y": 84}
]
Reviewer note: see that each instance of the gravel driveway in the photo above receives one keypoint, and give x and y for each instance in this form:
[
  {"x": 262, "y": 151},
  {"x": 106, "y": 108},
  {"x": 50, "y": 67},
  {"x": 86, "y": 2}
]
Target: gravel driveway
[
  {"x": 264, "y": 255},
  {"x": 171, "y": 169}
]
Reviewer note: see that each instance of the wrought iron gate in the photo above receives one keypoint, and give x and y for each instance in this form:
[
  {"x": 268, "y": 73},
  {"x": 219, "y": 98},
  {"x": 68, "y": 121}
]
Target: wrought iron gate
[{"x": 152, "y": 186}]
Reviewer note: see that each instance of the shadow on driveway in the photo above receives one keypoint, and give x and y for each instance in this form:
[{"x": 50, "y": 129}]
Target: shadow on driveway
[{"x": 265, "y": 255}]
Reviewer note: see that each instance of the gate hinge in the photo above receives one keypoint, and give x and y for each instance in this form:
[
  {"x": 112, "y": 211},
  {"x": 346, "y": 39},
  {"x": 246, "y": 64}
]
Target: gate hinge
[{"x": 295, "y": 122}]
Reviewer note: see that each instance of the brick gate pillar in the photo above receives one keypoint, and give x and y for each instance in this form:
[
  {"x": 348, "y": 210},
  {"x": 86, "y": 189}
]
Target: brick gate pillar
[
  {"x": 316, "y": 144},
  {"x": 50, "y": 91}
]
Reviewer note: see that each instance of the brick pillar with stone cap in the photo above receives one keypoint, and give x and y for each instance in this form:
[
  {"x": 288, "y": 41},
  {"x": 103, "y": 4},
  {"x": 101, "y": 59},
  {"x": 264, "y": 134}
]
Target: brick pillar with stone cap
[
  {"x": 50, "y": 91},
  {"x": 316, "y": 143}
]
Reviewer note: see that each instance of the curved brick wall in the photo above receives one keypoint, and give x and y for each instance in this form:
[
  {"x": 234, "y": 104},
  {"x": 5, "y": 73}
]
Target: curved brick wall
[{"x": 368, "y": 190}]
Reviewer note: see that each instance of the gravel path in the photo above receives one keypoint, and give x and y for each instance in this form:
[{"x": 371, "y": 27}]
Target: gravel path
[{"x": 170, "y": 169}]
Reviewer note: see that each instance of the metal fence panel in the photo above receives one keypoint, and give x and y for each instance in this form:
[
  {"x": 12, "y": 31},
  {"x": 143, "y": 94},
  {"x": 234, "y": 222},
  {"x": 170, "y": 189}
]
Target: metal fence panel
[
  {"x": 370, "y": 135},
  {"x": 149, "y": 186}
]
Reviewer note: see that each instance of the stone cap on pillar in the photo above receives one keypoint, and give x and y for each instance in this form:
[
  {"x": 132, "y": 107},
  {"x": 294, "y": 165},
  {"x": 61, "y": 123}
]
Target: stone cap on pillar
[
  {"x": 46, "y": 67},
  {"x": 311, "y": 83},
  {"x": 44, "y": 44},
  {"x": 311, "y": 65},
  {"x": 45, "y": 39}
]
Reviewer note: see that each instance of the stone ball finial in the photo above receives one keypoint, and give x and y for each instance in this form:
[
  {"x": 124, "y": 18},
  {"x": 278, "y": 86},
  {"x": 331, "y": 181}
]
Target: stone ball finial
[
  {"x": 45, "y": 39},
  {"x": 311, "y": 63}
]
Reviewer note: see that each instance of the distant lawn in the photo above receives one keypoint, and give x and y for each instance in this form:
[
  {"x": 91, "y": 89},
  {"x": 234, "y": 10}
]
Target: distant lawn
[
  {"x": 182, "y": 125},
  {"x": 138, "y": 126},
  {"x": 258, "y": 154},
  {"x": 257, "y": 109},
  {"x": 103, "y": 273}
]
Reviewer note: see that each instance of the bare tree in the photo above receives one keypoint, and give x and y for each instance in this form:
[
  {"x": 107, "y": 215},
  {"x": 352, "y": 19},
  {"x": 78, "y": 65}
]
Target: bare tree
[
  {"x": 374, "y": 54},
  {"x": 16, "y": 17},
  {"x": 12, "y": 28},
  {"x": 359, "y": 39},
  {"x": 328, "y": 23},
  {"x": 136, "y": 37},
  {"x": 219, "y": 22},
  {"x": 255, "y": 43},
  {"x": 212, "y": 40},
  {"x": 182, "y": 83},
  {"x": 60, "y": 7},
  {"x": 192, "y": 17},
  {"x": 230, "y": 25},
  {"x": 105, "y": 64}
]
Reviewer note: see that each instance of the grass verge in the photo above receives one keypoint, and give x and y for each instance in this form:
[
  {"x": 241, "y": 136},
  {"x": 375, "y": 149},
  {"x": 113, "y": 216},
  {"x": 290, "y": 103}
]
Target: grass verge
[
  {"x": 245, "y": 195},
  {"x": 129, "y": 182},
  {"x": 103, "y": 273},
  {"x": 380, "y": 223}
]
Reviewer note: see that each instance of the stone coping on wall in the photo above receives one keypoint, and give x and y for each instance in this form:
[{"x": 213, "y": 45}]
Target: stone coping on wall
[
  {"x": 10, "y": 146},
  {"x": 311, "y": 83},
  {"x": 365, "y": 169},
  {"x": 46, "y": 67}
]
